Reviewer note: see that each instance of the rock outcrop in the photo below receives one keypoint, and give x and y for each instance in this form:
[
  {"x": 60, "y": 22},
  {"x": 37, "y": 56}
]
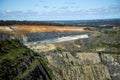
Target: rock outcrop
[
  {"x": 17, "y": 62},
  {"x": 96, "y": 58},
  {"x": 77, "y": 66}
]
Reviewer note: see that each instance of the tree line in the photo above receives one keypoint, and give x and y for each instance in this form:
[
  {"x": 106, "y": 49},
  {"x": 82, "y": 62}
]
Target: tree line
[{"x": 14, "y": 22}]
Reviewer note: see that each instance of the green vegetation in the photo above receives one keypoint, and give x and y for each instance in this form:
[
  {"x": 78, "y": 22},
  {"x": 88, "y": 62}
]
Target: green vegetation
[
  {"x": 106, "y": 79},
  {"x": 14, "y": 22},
  {"x": 109, "y": 52},
  {"x": 111, "y": 45},
  {"x": 58, "y": 48},
  {"x": 110, "y": 41},
  {"x": 16, "y": 60},
  {"x": 7, "y": 45},
  {"x": 75, "y": 51},
  {"x": 45, "y": 65},
  {"x": 13, "y": 54},
  {"x": 11, "y": 49},
  {"x": 32, "y": 66},
  {"x": 111, "y": 31},
  {"x": 99, "y": 36}
]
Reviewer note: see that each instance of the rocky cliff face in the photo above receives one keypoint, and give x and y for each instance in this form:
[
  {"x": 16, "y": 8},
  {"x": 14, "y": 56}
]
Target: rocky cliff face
[
  {"x": 112, "y": 61},
  {"x": 17, "y": 62},
  {"x": 96, "y": 58},
  {"x": 77, "y": 66}
]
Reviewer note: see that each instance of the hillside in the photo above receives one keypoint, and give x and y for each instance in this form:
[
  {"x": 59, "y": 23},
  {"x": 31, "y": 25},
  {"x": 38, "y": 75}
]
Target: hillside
[
  {"x": 94, "y": 58},
  {"x": 17, "y": 62}
]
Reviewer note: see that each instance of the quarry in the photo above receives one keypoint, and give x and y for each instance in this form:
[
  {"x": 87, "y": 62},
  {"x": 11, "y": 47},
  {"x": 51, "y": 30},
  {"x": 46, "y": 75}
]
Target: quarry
[
  {"x": 59, "y": 39},
  {"x": 59, "y": 54}
]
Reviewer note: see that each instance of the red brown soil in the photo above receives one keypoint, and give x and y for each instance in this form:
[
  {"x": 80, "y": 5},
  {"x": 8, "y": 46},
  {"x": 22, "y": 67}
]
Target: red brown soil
[{"x": 48, "y": 29}]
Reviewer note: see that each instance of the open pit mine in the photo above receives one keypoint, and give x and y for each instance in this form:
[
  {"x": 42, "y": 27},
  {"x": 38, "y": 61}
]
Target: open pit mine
[
  {"x": 58, "y": 53},
  {"x": 40, "y": 33}
]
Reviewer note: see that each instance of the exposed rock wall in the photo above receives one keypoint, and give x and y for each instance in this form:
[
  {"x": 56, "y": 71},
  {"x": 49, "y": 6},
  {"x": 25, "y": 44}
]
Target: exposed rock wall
[
  {"x": 38, "y": 73},
  {"x": 77, "y": 66},
  {"x": 112, "y": 61}
]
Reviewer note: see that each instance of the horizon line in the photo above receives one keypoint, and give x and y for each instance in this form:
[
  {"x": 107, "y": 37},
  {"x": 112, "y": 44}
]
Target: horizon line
[{"x": 61, "y": 19}]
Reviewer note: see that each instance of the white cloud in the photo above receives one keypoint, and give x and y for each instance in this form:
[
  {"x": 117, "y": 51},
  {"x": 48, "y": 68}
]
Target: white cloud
[
  {"x": 64, "y": 12},
  {"x": 8, "y": 11}
]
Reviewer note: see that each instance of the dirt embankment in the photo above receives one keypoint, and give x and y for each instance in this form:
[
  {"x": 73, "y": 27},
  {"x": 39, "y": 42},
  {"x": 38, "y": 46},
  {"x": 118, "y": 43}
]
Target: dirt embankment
[
  {"x": 32, "y": 28},
  {"x": 23, "y": 29},
  {"x": 48, "y": 29}
]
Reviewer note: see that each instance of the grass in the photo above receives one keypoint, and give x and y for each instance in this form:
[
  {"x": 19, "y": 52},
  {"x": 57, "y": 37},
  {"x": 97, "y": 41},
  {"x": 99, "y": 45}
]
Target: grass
[
  {"x": 10, "y": 52},
  {"x": 58, "y": 48},
  {"x": 6, "y": 45},
  {"x": 99, "y": 36},
  {"x": 111, "y": 45},
  {"x": 45, "y": 65},
  {"x": 106, "y": 79},
  {"x": 13, "y": 54},
  {"x": 32, "y": 66}
]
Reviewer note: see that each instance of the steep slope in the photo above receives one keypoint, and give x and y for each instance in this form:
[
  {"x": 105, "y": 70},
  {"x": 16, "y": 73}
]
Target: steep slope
[
  {"x": 17, "y": 62},
  {"x": 111, "y": 55},
  {"x": 96, "y": 58},
  {"x": 76, "y": 66}
]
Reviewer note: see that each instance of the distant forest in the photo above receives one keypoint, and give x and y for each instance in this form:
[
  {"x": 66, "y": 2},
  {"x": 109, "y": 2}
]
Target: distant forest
[
  {"x": 77, "y": 23},
  {"x": 13, "y": 22}
]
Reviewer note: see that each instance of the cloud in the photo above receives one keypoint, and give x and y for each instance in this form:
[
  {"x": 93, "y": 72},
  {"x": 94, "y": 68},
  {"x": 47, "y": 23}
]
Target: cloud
[
  {"x": 63, "y": 12},
  {"x": 16, "y": 13},
  {"x": 108, "y": 10},
  {"x": 68, "y": 2},
  {"x": 8, "y": 11},
  {"x": 64, "y": 7},
  {"x": 68, "y": 11},
  {"x": 113, "y": 9},
  {"x": 46, "y": 6},
  {"x": 92, "y": 13},
  {"x": 68, "y": 7},
  {"x": 9, "y": 14}
]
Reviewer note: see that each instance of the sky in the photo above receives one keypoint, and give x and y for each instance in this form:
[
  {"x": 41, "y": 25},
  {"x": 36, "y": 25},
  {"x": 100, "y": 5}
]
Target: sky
[{"x": 42, "y": 10}]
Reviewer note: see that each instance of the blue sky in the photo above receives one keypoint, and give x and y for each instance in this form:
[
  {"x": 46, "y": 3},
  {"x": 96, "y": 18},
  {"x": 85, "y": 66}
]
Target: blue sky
[{"x": 59, "y": 9}]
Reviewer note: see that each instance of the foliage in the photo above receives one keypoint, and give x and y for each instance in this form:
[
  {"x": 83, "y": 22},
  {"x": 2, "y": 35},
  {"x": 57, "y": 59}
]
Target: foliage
[
  {"x": 111, "y": 31},
  {"x": 13, "y": 22},
  {"x": 12, "y": 58},
  {"x": 32, "y": 65},
  {"x": 45, "y": 65},
  {"x": 109, "y": 52}
]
